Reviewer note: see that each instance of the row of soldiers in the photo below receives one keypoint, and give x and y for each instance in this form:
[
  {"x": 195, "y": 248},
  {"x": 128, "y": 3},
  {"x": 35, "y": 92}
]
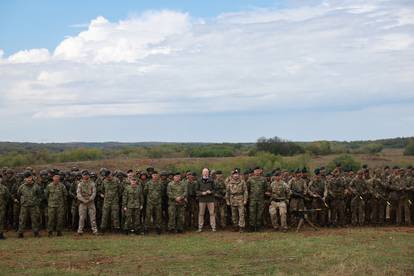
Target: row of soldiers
[{"x": 135, "y": 202}]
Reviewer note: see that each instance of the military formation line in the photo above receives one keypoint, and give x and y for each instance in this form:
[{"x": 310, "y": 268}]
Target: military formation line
[{"x": 138, "y": 202}]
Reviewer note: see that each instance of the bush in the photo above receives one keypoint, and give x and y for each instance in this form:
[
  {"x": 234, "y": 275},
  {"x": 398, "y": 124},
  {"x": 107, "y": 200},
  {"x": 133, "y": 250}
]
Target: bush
[
  {"x": 347, "y": 163},
  {"x": 409, "y": 148},
  {"x": 319, "y": 148},
  {"x": 276, "y": 146}
]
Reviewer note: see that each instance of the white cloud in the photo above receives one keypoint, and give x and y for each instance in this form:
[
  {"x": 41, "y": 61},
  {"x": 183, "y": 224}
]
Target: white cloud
[
  {"x": 322, "y": 57},
  {"x": 30, "y": 56}
]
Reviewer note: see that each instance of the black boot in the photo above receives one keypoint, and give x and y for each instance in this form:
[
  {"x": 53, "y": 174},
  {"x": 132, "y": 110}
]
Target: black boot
[
  {"x": 49, "y": 234},
  {"x": 20, "y": 236},
  {"x": 36, "y": 234},
  {"x": 2, "y": 236},
  {"x": 59, "y": 234},
  {"x": 158, "y": 230}
]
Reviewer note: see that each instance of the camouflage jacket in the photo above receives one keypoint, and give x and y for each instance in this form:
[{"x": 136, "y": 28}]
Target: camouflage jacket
[
  {"x": 56, "y": 195},
  {"x": 236, "y": 192},
  {"x": 133, "y": 197}
]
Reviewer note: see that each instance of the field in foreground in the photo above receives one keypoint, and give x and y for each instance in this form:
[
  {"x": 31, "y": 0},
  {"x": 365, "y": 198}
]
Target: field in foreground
[{"x": 382, "y": 251}]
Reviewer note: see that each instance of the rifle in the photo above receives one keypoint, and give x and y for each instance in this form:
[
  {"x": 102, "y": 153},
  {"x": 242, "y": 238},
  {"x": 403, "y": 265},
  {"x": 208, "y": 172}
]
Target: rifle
[
  {"x": 297, "y": 194},
  {"x": 302, "y": 214}
]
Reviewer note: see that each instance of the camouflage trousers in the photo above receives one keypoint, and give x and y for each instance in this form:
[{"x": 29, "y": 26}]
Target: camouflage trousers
[
  {"x": 256, "y": 208},
  {"x": 110, "y": 212},
  {"x": 133, "y": 219},
  {"x": 34, "y": 214},
  {"x": 275, "y": 209},
  {"x": 319, "y": 217},
  {"x": 176, "y": 215},
  {"x": 357, "y": 210},
  {"x": 338, "y": 211},
  {"x": 55, "y": 218},
  {"x": 74, "y": 214},
  {"x": 16, "y": 214},
  {"x": 377, "y": 210},
  {"x": 403, "y": 205},
  {"x": 153, "y": 216},
  {"x": 2, "y": 218},
  {"x": 238, "y": 215},
  {"x": 84, "y": 211},
  {"x": 191, "y": 215},
  {"x": 221, "y": 212}
]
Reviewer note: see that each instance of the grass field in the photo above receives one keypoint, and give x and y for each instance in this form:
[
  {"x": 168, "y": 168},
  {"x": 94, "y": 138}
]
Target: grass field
[{"x": 379, "y": 251}]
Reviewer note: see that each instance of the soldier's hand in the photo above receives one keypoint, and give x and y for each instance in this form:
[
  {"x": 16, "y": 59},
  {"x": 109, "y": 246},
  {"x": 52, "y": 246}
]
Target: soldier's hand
[
  {"x": 244, "y": 202},
  {"x": 228, "y": 203},
  {"x": 125, "y": 208},
  {"x": 102, "y": 195}
]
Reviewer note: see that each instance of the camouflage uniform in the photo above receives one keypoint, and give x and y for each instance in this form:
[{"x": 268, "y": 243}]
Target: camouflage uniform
[
  {"x": 399, "y": 198},
  {"x": 279, "y": 197},
  {"x": 9, "y": 182},
  {"x": 192, "y": 205},
  {"x": 56, "y": 195},
  {"x": 43, "y": 182},
  {"x": 110, "y": 210},
  {"x": 256, "y": 186},
  {"x": 133, "y": 200},
  {"x": 86, "y": 193},
  {"x": 4, "y": 199},
  {"x": 176, "y": 209},
  {"x": 378, "y": 200},
  {"x": 298, "y": 189},
  {"x": 358, "y": 187},
  {"x": 316, "y": 191},
  {"x": 336, "y": 188},
  {"x": 236, "y": 197},
  {"x": 221, "y": 207},
  {"x": 153, "y": 192},
  {"x": 30, "y": 196}
]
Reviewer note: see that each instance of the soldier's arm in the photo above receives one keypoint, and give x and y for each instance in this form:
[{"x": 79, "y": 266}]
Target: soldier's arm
[
  {"x": 227, "y": 194},
  {"x": 79, "y": 195},
  {"x": 124, "y": 198},
  {"x": 47, "y": 192},
  {"x": 92, "y": 198}
]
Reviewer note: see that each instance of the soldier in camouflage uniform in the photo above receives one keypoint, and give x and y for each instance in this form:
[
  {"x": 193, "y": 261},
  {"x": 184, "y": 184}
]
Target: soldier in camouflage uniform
[
  {"x": 192, "y": 205},
  {"x": 4, "y": 200},
  {"x": 336, "y": 190},
  {"x": 358, "y": 188},
  {"x": 153, "y": 192},
  {"x": 378, "y": 200},
  {"x": 43, "y": 181},
  {"x": 9, "y": 181},
  {"x": 316, "y": 191},
  {"x": 86, "y": 193},
  {"x": 110, "y": 193},
  {"x": 256, "y": 186},
  {"x": 30, "y": 196},
  {"x": 298, "y": 190},
  {"x": 279, "y": 193},
  {"x": 56, "y": 195},
  {"x": 164, "y": 182},
  {"x": 399, "y": 191},
  {"x": 177, "y": 197},
  {"x": 132, "y": 204},
  {"x": 98, "y": 199},
  {"x": 221, "y": 206},
  {"x": 236, "y": 197}
]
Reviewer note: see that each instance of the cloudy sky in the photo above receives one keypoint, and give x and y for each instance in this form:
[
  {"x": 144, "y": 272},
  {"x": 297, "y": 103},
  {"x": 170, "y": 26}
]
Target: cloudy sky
[{"x": 206, "y": 71}]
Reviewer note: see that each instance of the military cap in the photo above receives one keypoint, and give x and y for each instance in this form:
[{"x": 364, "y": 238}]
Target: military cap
[
  {"x": 9, "y": 171},
  {"x": 277, "y": 173},
  {"x": 164, "y": 173},
  {"x": 269, "y": 175},
  {"x": 27, "y": 174},
  {"x": 176, "y": 173},
  {"x": 149, "y": 169},
  {"x": 236, "y": 170},
  {"x": 29, "y": 169},
  {"x": 219, "y": 172},
  {"x": 304, "y": 170},
  {"x": 298, "y": 170},
  {"x": 317, "y": 171},
  {"x": 74, "y": 169},
  {"x": 106, "y": 173},
  {"x": 85, "y": 172},
  {"x": 257, "y": 168},
  {"x": 194, "y": 174},
  {"x": 130, "y": 171}
]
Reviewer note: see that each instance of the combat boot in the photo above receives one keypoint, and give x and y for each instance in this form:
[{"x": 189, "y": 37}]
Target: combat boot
[
  {"x": 59, "y": 234},
  {"x": 20, "y": 236},
  {"x": 2, "y": 236},
  {"x": 36, "y": 234},
  {"x": 50, "y": 234}
]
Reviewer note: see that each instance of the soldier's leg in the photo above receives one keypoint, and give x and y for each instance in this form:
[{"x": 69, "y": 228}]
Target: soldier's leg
[
  {"x": 241, "y": 212},
  {"x": 234, "y": 215},
  {"x": 273, "y": 216},
  {"x": 129, "y": 219},
  {"x": 201, "y": 212},
  {"x": 211, "y": 211},
  {"x": 51, "y": 221},
  {"x": 60, "y": 223},
  {"x": 82, "y": 217},
  {"x": 252, "y": 214},
  {"x": 171, "y": 217},
  {"x": 223, "y": 212},
  {"x": 361, "y": 211},
  {"x": 115, "y": 215},
  {"x": 398, "y": 212},
  {"x": 22, "y": 219},
  {"x": 407, "y": 211},
  {"x": 35, "y": 218},
  {"x": 354, "y": 211},
  {"x": 92, "y": 217},
  {"x": 106, "y": 211},
  {"x": 158, "y": 217},
  {"x": 260, "y": 208},
  {"x": 16, "y": 215},
  {"x": 341, "y": 212},
  {"x": 180, "y": 217},
  {"x": 3, "y": 218},
  {"x": 283, "y": 211},
  {"x": 148, "y": 216},
  {"x": 381, "y": 211}
]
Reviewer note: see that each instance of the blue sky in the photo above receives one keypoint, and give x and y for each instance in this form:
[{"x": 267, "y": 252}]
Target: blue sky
[{"x": 219, "y": 71}]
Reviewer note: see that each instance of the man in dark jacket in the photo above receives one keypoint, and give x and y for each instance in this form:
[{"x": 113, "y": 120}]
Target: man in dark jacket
[{"x": 205, "y": 191}]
